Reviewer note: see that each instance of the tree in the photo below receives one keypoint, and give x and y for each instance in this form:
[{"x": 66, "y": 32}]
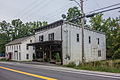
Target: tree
[
  {"x": 74, "y": 13},
  {"x": 16, "y": 29},
  {"x": 111, "y": 27},
  {"x": 4, "y": 38}
]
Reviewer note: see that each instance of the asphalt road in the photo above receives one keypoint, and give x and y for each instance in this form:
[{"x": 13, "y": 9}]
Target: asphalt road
[{"x": 19, "y": 71}]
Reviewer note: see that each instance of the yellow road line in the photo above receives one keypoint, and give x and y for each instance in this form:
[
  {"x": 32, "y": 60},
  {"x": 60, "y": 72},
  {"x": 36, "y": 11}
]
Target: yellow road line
[{"x": 21, "y": 72}]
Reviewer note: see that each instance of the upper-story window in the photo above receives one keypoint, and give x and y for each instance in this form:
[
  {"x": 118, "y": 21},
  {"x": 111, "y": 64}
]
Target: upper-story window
[
  {"x": 12, "y": 47},
  {"x": 30, "y": 41},
  {"x": 77, "y": 37},
  {"x": 89, "y": 39},
  {"x": 19, "y": 47},
  {"x": 51, "y": 36},
  {"x": 41, "y": 38},
  {"x": 98, "y": 41}
]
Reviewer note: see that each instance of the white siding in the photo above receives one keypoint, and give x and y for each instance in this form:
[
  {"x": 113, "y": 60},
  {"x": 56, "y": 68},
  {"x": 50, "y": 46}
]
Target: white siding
[
  {"x": 19, "y": 54},
  {"x": 73, "y": 49},
  {"x": 56, "y": 31}
]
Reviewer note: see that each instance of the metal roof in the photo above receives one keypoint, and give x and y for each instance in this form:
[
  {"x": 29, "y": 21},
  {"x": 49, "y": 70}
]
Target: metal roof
[{"x": 18, "y": 41}]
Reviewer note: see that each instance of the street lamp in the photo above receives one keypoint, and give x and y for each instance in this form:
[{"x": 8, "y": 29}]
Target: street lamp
[{"x": 82, "y": 22}]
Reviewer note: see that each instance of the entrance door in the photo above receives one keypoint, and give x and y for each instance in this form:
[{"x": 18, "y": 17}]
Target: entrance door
[{"x": 10, "y": 55}]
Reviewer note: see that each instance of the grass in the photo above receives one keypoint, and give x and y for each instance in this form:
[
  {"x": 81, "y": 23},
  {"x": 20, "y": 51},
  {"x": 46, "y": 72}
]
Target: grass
[
  {"x": 103, "y": 66},
  {"x": 3, "y": 60}
]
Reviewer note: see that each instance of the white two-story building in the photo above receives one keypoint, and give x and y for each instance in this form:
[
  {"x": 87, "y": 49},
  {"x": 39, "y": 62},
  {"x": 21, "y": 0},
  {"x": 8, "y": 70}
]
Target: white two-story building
[
  {"x": 65, "y": 38},
  {"x": 18, "y": 49}
]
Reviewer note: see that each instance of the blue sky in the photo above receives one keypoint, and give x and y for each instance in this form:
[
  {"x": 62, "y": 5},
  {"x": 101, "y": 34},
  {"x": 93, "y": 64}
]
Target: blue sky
[{"x": 48, "y": 10}]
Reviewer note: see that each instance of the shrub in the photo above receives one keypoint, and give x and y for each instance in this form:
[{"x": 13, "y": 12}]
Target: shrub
[
  {"x": 57, "y": 57},
  {"x": 116, "y": 54},
  {"x": 34, "y": 56}
]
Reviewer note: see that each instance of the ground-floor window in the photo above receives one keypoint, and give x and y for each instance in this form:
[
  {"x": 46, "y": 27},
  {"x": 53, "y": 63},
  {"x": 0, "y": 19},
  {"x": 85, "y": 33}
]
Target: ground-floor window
[
  {"x": 19, "y": 56},
  {"x": 27, "y": 56},
  {"x": 99, "y": 53}
]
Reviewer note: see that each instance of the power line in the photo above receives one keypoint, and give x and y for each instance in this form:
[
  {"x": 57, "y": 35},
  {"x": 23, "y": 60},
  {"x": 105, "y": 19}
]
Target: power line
[
  {"x": 108, "y": 10},
  {"x": 27, "y": 7},
  {"x": 63, "y": 8},
  {"x": 42, "y": 7},
  {"x": 31, "y": 8},
  {"x": 57, "y": 13},
  {"x": 91, "y": 15},
  {"x": 105, "y": 7},
  {"x": 57, "y": 9}
]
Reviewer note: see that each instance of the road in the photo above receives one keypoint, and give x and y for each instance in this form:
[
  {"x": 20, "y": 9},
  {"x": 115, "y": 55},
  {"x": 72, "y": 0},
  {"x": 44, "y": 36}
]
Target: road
[{"x": 20, "y": 71}]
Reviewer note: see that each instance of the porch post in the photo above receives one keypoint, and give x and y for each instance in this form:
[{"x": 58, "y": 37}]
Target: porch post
[
  {"x": 43, "y": 56},
  {"x": 50, "y": 54}
]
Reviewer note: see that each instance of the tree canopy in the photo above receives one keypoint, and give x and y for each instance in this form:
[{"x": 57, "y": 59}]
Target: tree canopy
[
  {"x": 111, "y": 27},
  {"x": 16, "y": 29}
]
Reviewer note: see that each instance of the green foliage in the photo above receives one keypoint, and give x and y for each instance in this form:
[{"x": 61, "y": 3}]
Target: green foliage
[
  {"x": 57, "y": 57},
  {"x": 116, "y": 55},
  {"x": 74, "y": 13},
  {"x": 105, "y": 66},
  {"x": 71, "y": 64},
  {"x": 34, "y": 56},
  {"x": 111, "y": 27},
  {"x": 4, "y": 59},
  {"x": 16, "y": 29}
]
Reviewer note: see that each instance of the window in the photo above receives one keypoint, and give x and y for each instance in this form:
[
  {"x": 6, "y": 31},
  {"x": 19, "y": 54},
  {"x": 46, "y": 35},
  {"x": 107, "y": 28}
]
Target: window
[
  {"x": 30, "y": 41},
  {"x": 41, "y": 38},
  {"x": 99, "y": 53},
  {"x": 89, "y": 39},
  {"x": 19, "y": 47},
  {"x": 27, "y": 56},
  {"x": 51, "y": 36},
  {"x": 33, "y": 47},
  {"x": 27, "y": 47},
  {"x": 77, "y": 37},
  {"x": 19, "y": 56},
  {"x": 98, "y": 41},
  {"x": 12, "y": 47}
]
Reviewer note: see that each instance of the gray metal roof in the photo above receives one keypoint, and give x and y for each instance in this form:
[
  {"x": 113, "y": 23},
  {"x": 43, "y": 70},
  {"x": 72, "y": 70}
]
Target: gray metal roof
[
  {"x": 52, "y": 25},
  {"x": 18, "y": 41}
]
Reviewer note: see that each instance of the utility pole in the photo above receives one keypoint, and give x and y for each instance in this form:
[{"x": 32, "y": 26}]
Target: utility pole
[{"x": 82, "y": 22}]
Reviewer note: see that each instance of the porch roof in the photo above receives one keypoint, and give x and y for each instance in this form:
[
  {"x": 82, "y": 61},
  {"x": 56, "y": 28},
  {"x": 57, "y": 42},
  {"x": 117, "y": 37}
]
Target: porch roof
[{"x": 54, "y": 42}]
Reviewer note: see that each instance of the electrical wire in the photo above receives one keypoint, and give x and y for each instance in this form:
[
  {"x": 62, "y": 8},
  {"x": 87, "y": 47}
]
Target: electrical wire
[
  {"x": 43, "y": 6},
  {"x": 26, "y": 8},
  {"x": 105, "y": 7}
]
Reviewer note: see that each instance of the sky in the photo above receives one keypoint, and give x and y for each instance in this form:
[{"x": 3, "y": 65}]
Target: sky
[{"x": 49, "y": 10}]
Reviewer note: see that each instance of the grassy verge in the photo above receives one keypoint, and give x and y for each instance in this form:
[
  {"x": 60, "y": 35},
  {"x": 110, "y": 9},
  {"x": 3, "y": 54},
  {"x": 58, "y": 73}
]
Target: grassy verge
[
  {"x": 3, "y": 60},
  {"x": 104, "y": 66}
]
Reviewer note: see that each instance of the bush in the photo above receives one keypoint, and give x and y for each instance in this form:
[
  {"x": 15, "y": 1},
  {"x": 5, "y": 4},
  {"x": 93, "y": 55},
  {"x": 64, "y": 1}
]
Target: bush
[
  {"x": 116, "y": 54},
  {"x": 57, "y": 57},
  {"x": 34, "y": 56}
]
